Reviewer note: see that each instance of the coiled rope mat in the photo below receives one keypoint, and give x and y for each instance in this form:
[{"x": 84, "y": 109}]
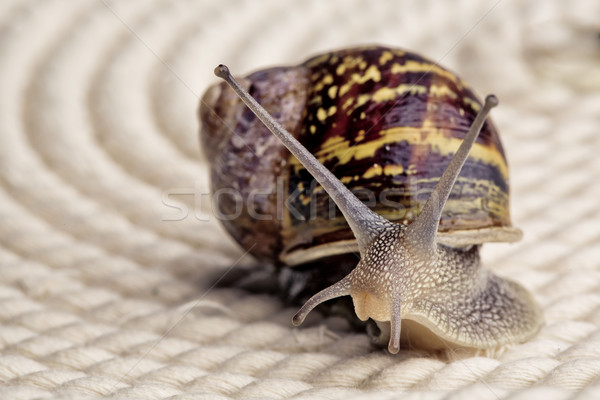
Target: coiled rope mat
[{"x": 109, "y": 249}]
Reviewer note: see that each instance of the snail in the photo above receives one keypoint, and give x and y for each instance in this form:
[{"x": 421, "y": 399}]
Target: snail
[{"x": 396, "y": 126}]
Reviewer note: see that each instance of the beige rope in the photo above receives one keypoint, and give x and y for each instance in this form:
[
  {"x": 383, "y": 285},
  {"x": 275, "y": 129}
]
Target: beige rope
[{"x": 109, "y": 249}]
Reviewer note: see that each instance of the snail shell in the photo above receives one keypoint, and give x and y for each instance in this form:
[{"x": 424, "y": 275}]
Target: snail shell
[{"x": 386, "y": 122}]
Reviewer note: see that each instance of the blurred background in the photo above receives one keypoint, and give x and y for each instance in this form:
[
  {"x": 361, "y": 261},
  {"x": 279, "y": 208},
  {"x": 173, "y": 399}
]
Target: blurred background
[{"x": 108, "y": 252}]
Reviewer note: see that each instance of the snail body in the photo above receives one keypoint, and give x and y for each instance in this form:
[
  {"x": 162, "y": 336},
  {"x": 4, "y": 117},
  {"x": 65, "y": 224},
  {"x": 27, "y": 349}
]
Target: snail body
[{"x": 387, "y": 124}]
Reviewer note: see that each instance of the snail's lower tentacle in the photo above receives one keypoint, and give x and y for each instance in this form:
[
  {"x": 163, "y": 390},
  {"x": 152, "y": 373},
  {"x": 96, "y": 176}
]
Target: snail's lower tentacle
[
  {"x": 338, "y": 289},
  {"x": 395, "y": 325}
]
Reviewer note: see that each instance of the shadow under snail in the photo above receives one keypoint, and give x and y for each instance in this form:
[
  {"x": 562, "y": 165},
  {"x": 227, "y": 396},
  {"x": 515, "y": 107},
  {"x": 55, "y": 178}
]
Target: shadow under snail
[{"x": 376, "y": 119}]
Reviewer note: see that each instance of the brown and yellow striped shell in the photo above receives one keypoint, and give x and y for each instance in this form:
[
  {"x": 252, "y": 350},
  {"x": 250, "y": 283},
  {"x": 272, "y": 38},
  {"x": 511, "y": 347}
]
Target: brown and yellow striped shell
[{"x": 386, "y": 122}]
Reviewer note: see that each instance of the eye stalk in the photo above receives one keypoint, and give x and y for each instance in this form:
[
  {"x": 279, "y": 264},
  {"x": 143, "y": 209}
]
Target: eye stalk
[
  {"x": 365, "y": 224},
  {"x": 423, "y": 231},
  {"x": 396, "y": 275}
]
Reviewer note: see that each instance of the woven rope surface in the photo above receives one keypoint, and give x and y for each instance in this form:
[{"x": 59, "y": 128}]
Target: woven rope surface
[{"x": 108, "y": 252}]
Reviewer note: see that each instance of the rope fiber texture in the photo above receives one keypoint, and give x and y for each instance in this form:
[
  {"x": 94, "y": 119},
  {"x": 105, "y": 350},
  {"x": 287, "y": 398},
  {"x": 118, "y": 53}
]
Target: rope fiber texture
[{"x": 109, "y": 250}]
